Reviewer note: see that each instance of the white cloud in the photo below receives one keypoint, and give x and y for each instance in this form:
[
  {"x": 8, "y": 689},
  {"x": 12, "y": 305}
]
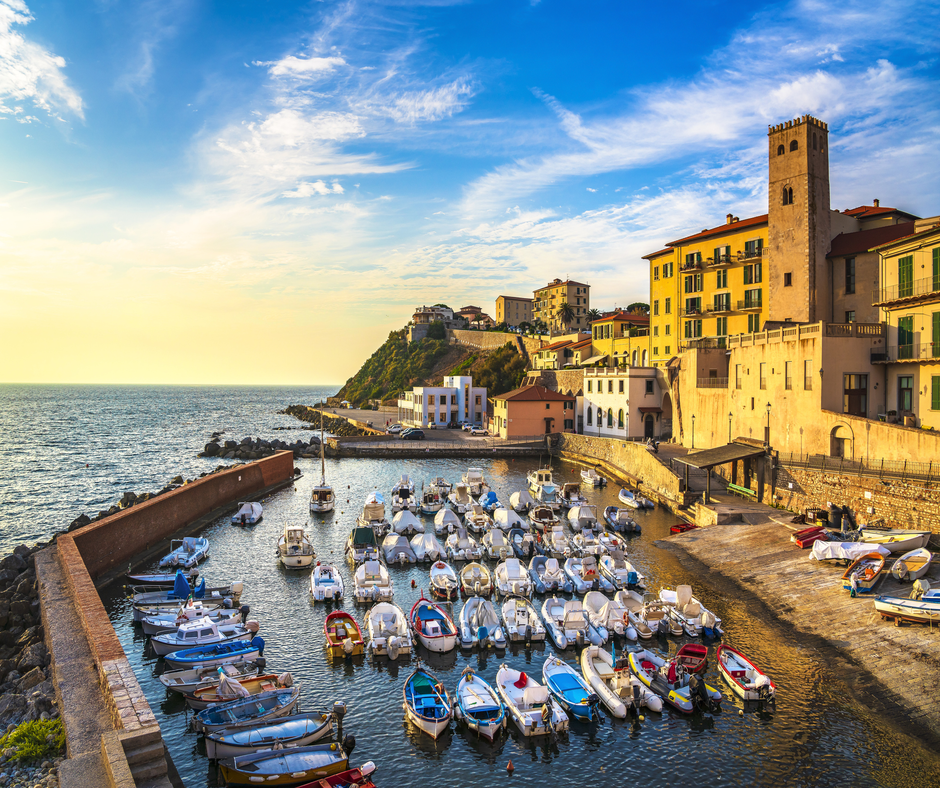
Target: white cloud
[
  {"x": 153, "y": 23},
  {"x": 435, "y": 104},
  {"x": 308, "y": 189},
  {"x": 297, "y": 67},
  {"x": 29, "y": 73}
]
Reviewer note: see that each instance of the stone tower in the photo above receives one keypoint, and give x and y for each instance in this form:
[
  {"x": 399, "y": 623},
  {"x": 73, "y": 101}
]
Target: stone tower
[{"x": 795, "y": 267}]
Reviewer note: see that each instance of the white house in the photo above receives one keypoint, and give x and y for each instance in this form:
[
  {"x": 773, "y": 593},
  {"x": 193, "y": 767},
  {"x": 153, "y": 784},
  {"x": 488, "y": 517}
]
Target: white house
[
  {"x": 621, "y": 403},
  {"x": 457, "y": 400}
]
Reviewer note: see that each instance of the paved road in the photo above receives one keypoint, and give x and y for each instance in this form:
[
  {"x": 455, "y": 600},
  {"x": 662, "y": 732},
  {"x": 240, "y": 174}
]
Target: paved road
[{"x": 380, "y": 418}]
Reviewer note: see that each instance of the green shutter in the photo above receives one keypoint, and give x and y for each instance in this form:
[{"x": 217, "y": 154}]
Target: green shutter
[
  {"x": 935, "y": 392},
  {"x": 935, "y": 339},
  {"x": 936, "y": 268},
  {"x": 905, "y": 276},
  {"x": 906, "y": 337}
]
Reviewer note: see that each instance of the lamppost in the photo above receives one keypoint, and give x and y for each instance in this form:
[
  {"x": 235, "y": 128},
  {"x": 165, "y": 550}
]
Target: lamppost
[
  {"x": 693, "y": 430},
  {"x": 730, "y": 416},
  {"x": 768, "y": 425}
]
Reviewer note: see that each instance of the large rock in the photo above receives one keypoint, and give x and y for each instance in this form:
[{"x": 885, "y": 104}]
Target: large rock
[
  {"x": 14, "y": 562},
  {"x": 22, "y": 550},
  {"x": 7, "y": 576},
  {"x": 11, "y": 706},
  {"x": 79, "y": 522},
  {"x": 212, "y": 449},
  {"x": 33, "y": 656},
  {"x": 31, "y": 679}
]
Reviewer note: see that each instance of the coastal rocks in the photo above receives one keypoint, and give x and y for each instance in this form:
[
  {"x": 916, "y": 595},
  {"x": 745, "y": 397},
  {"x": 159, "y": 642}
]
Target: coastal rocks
[
  {"x": 79, "y": 522},
  {"x": 335, "y": 426},
  {"x": 211, "y": 450},
  {"x": 256, "y": 448}
]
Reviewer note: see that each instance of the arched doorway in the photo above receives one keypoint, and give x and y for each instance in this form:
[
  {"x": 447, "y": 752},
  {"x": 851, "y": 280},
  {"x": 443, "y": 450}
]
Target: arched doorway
[
  {"x": 649, "y": 426},
  {"x": 646, "y": 358},
  {"x": 842, "y": 442},
  {"x": 666, "y": 416}
]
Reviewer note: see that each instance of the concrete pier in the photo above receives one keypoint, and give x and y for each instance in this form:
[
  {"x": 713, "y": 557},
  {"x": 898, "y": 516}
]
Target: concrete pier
[{"x": 893, "y": 670}]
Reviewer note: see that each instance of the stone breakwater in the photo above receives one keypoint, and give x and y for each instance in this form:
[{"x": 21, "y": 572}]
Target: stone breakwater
[
  {"x": 337, "y": 426},
  {"x": 257, "y": 449}
]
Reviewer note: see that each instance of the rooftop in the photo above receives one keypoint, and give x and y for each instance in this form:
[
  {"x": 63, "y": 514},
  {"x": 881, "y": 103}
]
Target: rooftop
[
  {"x": 557, "y": 345},
  {"x": 559, "y": 283},
  {"x": 857, "y": 243},
  {"x": 731, "y": 227},
  {"x": 876, "y": 209},
  {"x": 534, "y": 394},
  {"x": 626, "y": 317}
]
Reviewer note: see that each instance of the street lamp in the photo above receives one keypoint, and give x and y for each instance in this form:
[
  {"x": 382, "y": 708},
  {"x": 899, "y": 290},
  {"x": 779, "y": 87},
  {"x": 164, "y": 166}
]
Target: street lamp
[
  {"x": 768, "y": 425},
  {"x": 693, "y": 430},
  {"x": 730, "y": 416}
]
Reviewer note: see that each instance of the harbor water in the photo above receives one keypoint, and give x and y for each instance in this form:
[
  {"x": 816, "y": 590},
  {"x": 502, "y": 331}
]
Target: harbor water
[{"x": 136, "y": 439}]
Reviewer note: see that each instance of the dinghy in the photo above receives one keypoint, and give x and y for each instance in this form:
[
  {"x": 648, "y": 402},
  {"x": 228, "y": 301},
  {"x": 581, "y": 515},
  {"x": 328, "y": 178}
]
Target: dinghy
[
  {"x": 569, "y": 689},
  {"x": 490, "y": 502},
  {"x": 521, "y": 501},
  {"x": 496, "y": 545},
  {"x": 692, "y": 657},
  {"x": 326, "y": 584},
  {"x": 215, "y": 654},
  {"x": 620, "y": 520},
  {"x": 691, "y": 614},
  {"x": 607, "y": 617},
  {"x": 476, "y": 519},
  {"x": 746, "y": 680},
  {"x": 566, "y": 623},
  {"x": 373, "y": 515},
  {"x": 433, "y": 627},
  {"x": 432, "y": 501},
  {"x": 163, "y": 578},
  {"x": 296, "y": 730},
  {"x": 474, "y": 480},
  {"x": 570, "y": 495},
  {"x": 476, "y": 580},
  {"x": 186, "y": 552},
  {"x": 896, "y": 540},
  {"x": 923, "y": 606},
  {"x": 406, "y": 523},
  {"x": 620, "y": 572},
  {"x": 521, "y": 620},
  {"x": 634, "y": 500},
  {"x": 511, "y": 578},
  {"x": 389, "y": 634},
  {"x": 529, "y": 703},
  {"x": 618, "y": 689},
  {"x": 863, "y": 573},
  {"x": 372, "y": 583},
  {"x": 201, "y": 632},
  {"x": 548, "y": 577},
  {"x": 249, "y": 513},
  {"x": 294, "y": 548},
  {"x": 585, "y": 576},
  {"x": 507, "y": 519},
  {"x": 397, "y": 549},
  {"x": 165, "y": 622},
  {"x": 586, "y": 543},
  {"x": 191, "y": 679},
  {"x": 543, "y": 519},
  {"x": 289, "y": 766},
  {"x": 676, "y": 687},
  {"x": 427, "y": 547},
  {"x": 582, "y": 516},
  {"x": 228, "y": 689},
  {"x": 557, "y": 544},
  {"x": 523, "y": 543},
  {"x": 459, "y": 499},
  {"x": 246, "y": 712},
  {"x": 632, "y": 602},
  {"x": 478, "y": 706},
  {"x": 592, "y": 477},
  {"x": 427, "y": 703},
  {"x": 362, "y": 545},
  {"x": 342, "y": 634},
  {"x": 443, "y": 580},
  {"x": 912, "y": 565},
  {"x": 611, "y": 541},
  {"x": 446, "y": 522},
  {"x": 479, "y": 625},
  {"x": 461, "y": 546}
]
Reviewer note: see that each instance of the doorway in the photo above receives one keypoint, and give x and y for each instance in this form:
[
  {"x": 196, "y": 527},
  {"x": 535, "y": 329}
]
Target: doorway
[{"x": 648, "y": 426}]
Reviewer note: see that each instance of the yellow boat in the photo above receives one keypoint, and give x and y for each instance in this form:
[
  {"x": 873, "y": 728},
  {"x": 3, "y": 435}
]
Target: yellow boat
[
  {"x": 290, "y": 766},
  {"x": 343, "y": 636}
]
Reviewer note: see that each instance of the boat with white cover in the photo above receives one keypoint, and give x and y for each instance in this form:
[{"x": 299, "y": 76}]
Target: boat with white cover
[
  {"x": 587, "y": 543},
  {"x": 389, "y": 633},
  {"x": 373, "y": 515},
  {"x": 529, "y": 704},
  {"x": 443, "y": 580},
  {"x": 557, "y": 544},
  {"x": 295, "y": 730},
  {"x": 170, "y": 622},
  {"x": 592, "y": 477},
  {"x": 478, "y": 706},
  {"x": 249, "y": 513},
  {"x": 548, "y": 577},
  {"x": 403, "y": 496},
  {"x": 476, "y": 580},
  {"x": 496, "y": 545},
  {"x": 571, "y": 691},
  {"x": 607, "y": 616},
  {"x": 523, "y": 543},
  {"x": 542, "y": 518},
  {"x": 474, "y": 480},
  {"x": 620, "y": 521},
  {"x": 397, "y": 550},
  {"x": 189, "y": 680},
  {"x": 434, "y": 628},
  {"x": 460, "y": 499},
  {"x": 582, "y": 516},
  {"x": 567, "y": 624},
  {"x": 620, "y": 572},
  {"x": 446, "y": 522},
  {"x": 585, "y": 575},
  {"x": 427, "y": 703},
  {"x": 691, "y": 613},
  {"x": 294, "y": 549},
  {"x": 912, "y": 565},
  {"x": 511, "y": 578},
  {"x": 506, "y": 519},
  {"x": 618, "y": 689},
  {"x": 480, "y": 626},
  {"x": 476, "y": 519},
  {"x": 229, "y": 689},
  {"x": 406, "y": 523},
  {"x": 427, "y": 547},
  {"x": 521, "y": 501},
  {"x": 372, "y": 583},
  {"x": 362, "y": 545},
  {"x": 186, "y": 552},
  {"x": 326, "y": 584},
  {"x": 521, "y": 620},
  {"x": 201, "y": 632},
  {"x": 844, "y": 551},
  {"x": 461, "y": 546},
  {"x": 570, "y": 495},
  {"x": 746, "y": 680}
]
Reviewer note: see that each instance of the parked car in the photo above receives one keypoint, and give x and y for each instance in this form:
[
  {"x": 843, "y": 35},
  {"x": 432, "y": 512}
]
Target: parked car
[
  {"x": 478, "y": 431},
  {"x": 413, "y": 435},
  {"x": 394, "y": 429},
  {"x": 466, "y": 426}
]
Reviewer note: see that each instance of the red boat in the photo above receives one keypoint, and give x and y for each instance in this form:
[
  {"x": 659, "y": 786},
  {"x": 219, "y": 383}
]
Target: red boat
[
  {"x": 681, "y": 528},
  {"x": 807, "y": 536},
  {"x": 693, "y": 657},
  {"x": 351, "y": 777}
]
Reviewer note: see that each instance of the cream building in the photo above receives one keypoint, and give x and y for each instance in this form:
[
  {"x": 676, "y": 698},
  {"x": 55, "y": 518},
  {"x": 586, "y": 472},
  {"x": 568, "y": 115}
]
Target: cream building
[
  {"x": 548, "y": 300},
  {"x": 621, "y": 403},
  {"x": 457, "y": 400},
  {"x": 513, "y": 311}
]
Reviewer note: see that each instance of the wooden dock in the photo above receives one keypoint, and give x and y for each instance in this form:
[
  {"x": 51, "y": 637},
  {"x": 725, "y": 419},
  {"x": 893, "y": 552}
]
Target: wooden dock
[{"x": 893, "y": 670}]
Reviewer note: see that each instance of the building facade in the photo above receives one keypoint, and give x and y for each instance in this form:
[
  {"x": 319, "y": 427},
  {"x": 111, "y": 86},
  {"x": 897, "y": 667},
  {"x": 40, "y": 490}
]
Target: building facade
[
  {"x": 513, "y": 311},
  {"x": 456, "y": 401},
  {"x": 546, "y": 306},
  {"x": 621, "y": 339},
  {"x": 531, "y": 410},
  {"x": 621, "y": 403}
]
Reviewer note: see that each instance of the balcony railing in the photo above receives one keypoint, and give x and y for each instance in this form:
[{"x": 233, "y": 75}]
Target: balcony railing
[
  {"x": 750, "y": 254},
  {"x": 920, "y": 288},
  {"x": 919, "y": 351},
  {"x": 720, "y": 307},
  {"x": 722, "y": 259},
  {"x": 692, "y": 265},
  {"x": 788, "y": 384},
  {"x": 750, "y": 303},
  {"x": 807, "y": 384},
  {"x": 713, "y": 383},
  {"x": 693, "y": 312}
]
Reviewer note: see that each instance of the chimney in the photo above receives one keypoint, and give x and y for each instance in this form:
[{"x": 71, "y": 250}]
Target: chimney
[
  {"x": 729, "y": 218},
  {"x": 876, "y": 203}
]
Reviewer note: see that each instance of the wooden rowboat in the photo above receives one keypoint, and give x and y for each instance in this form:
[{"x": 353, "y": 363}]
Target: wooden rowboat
[
  {"x": 290, "y": 766},
  {"x": 863, "y": 573},
  {"x": 912, "y": 565},
  {"x": 343, "y": 636},
  {"x": 693, "y": 657}
]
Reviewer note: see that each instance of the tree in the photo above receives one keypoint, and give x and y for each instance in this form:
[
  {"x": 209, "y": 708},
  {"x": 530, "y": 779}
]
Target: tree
[
  {"x": 524, "y": 326},
  {"x": 502, "y": 371},
  {"x": 437, "y": 331},
  {"x": 638, "y": 308},
  {"x": 565, "y": 313},
  {"x": 594, "y": 314}
]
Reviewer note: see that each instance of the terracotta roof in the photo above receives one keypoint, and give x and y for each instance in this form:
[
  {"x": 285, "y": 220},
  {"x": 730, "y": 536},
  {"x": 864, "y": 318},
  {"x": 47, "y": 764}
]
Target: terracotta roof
[
  {"x": 868, "y": 211},
  {"x": 557, "y": 345},
  {"x": 534, "y": 394},
  {"x": 626, "y": 317},
  {"x": 932, "y": 229},
  {"x": 514, "y": 298},
  {"x": 857, "y": 243},
  {"x": 722, "y": 229},
  {"x": 657, "y": 254},
  {"x": 581, "y": 343}
]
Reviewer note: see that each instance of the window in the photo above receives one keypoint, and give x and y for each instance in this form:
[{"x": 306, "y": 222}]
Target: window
[
  {"x": 610, "y": 387},
  {"x": 693, "y": 258},
  {"x": 753, "y": 274},
  {"x": 753, "y": 324},
  {"x": 649, "y": 385},
  {"x": 808, "y": 375},
  {"x": 855, "y": 395},
  {"x": 788, "y": 375},
  {"x": 788, "y": 280},
  {"x": 655, "y": 331},
  {"x": 477, "y": 400},
  {"x": 738, "y": 381},
  {"x": 763, "y": 375},
  {"x": 430, "y": 399},
  {"x": 905, "y": 392},
  {"x": 936, "y": 269},
  {"x": 656, "y": 351},
  {"x": 548, "y": 406},
  {"x": 906, "y": 276},
  {"x": 655, "y": 273},
  {"x": 788, "y": 195},
  {"x": 935, "y": 336},
  {"x": 693, "y": 306},
  {"x": 668, "y": 307},
  {"x": 722, "y": 254},
  {"x": 620, "y": 419},
  {"x": 906, "y": 337},
  {"x": 781, "y": 150},
  {"x": 935, "y": 392},
  {"x": 668, "y": 350},
  {"x": 590, "y": 414},
  {"x": 752, "y": 299},
  {"x": 668, "y": 329},
  {"x": 753, "y": 248},
  {"x": 693, "y": 283},
  {"x": 656, "y": 307},
  {"x": 610, "y": 417},
  {"x": 721, "y": 327},
  {"x": 621, "y": 387},
  {"x": 794, "y": 145},
  {"x": 667, "y": 270},
  {"x": 590, "y": 383},
  {"x": 850, "y": 316},
  {"x": 849, "y": 275},
  {"x": 693, "y": 329},
  {"x": 721, "y": 280},
  {"x": 722, "y": 302}
]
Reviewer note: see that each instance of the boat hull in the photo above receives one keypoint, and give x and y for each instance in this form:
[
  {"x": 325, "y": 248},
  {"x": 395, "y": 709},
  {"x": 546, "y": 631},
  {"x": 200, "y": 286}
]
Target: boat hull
[
  {"x": 915, "y": 611},
  {"x": 274, "y": 769},
  {"x": 225, "y": 743}
]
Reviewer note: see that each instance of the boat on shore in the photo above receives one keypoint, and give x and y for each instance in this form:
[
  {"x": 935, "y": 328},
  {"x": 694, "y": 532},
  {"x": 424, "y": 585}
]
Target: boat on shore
[
  {"x": 864, "y": 573},
  {"x": 460, "y": 499},
  {"x": 896, "y": 540},
  {"x": 922, "y": 607},
  {"x": 913, "y": 565}
]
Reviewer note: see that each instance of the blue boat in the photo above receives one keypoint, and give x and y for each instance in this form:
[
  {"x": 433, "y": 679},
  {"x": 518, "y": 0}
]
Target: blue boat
[
  {"x": 479, "y": 706},
  {"x": 490, "y": 502},
  {"x": 215, "y": 654},
  {"x": 427, "y": 703},
  {"x": 247, "y": 711},
  {"x": 569, "y": 689}
]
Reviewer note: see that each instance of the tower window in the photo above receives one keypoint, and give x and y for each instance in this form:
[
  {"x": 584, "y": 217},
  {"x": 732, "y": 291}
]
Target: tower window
[
  {"x": 781, "y": 150},
  {"x": 788, "y": 280},
  {"x": 787, "y": 195},
  {"x": 794, "y": 145}
]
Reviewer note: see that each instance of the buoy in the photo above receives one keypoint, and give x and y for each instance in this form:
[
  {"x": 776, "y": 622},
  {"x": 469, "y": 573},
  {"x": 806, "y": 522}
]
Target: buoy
[
  {"x": 740, "y": 712},
  {"x": 510, "y": 768},
  {"x": 641, "y": 718},
  {"x": 413, "y": 584},
  {"x": 86, "y": 464}
]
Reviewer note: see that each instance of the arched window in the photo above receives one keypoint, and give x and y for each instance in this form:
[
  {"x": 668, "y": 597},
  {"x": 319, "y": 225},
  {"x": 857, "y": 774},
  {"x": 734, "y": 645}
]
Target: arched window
[
  {"x": 600, "y": 417},
  {"x": 814, "y": 141},
  {"x": 794, "y": 145},
  {"x": 788, "y": 195},
  {"x": 646, "y": 358},
  {"x": 634, "y": 358},
  {"x": 610, "y": 417},
  {"x": 590, "y": 416},
  {"x": 620, "y": 418},
  {"x": 781, "y": 150}
]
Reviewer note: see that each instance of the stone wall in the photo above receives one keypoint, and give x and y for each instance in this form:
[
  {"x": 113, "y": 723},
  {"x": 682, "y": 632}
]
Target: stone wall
[
  {"x": 491, "y": 340},
  {"x": 567, "y": 381}
]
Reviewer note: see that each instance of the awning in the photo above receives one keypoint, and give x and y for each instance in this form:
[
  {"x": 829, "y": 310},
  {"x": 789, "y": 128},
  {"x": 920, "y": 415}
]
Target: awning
[
  {"x": 650, "y": 410},
  {"x": 709, "y": 458},
  {"x": 593, "y": 359}
]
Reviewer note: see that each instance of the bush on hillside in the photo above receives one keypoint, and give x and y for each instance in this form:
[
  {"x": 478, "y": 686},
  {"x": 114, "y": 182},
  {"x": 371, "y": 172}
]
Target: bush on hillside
[
  {"x": 502, "y": 371},
  {"x": 437, "y": 331},
  {"x": 34, "y": 740}
]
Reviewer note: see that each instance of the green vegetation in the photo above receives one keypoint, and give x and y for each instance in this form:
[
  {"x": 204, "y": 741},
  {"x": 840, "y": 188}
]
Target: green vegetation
[
  {"x": 638, "y": 308},
  {"x": 30, "y": 740},
  {"x": 464, "y": 366},
  {"x": 437, "y": 331},
  {"x": 393, "y": 367},
  {"x": 502, "y": 371}
]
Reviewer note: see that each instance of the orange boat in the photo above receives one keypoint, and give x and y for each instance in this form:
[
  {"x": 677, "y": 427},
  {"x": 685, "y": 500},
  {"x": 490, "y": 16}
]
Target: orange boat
[
  {"x": 253, "y": 685},
  {"x": 343, "y": 636},
  {"x": 863, "y": 574}
]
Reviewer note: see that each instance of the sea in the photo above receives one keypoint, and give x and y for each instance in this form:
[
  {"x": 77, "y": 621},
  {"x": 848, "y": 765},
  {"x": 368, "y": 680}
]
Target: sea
[{"x": 74, "y": 449}]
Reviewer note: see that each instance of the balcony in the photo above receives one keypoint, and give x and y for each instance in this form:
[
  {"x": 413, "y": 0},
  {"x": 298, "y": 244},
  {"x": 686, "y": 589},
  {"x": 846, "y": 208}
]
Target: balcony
[
  {"x": 720, "y": 307},
  {"x": 694, "y": 312},
  {"x": 919, "y": 351},
  {"x": 927, "y": 289},
  {"x": 713, "y": 383},
  {"x": 692, "y": 266},
  {"x": 750, "y": 304},
  {"x": 751, "y": 254}
]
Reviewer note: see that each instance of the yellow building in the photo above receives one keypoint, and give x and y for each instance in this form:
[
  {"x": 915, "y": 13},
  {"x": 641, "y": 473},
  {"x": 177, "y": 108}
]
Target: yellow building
[
  {"x": 620, "y": 339},
  {"x": 548, "y": 300},
  {"x": 513, "y": 311},
  {"x": 707, "y": 286}
]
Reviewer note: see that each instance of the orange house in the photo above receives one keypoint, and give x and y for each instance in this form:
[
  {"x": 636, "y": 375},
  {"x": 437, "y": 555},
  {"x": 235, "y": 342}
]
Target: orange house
[{"x": 531, "y": 410}]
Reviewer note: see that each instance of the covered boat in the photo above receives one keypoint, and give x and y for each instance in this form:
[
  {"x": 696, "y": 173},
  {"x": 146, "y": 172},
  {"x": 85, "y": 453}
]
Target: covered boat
[
  {"x": 506, "y": 519},
  {"x": 289, "y": 766},
  {"x": 740, "y": 672},
  {"x": 247, "y": 711},
  {"x": 582, "y": 516},
  {"x": 373, "y": 514},
  {"x": 521, "y": 620},
  {"x": 397, "y": 549},
  {"x": 191, "y": 679},
  {"x": 479, "y": 625},
  {"x": 406, "y": 523},
  {"x": 372, "y": 583},
  {"x": 511, "y": 578},
  {"x": 529, "y": 703},
  {"x": 676, "y": 687},
  {"x": 460, "y": 499},
  {"x": 461, "y": 546},
  {"x": 496, "y": 545},
  {"x": 326, "y": 584},
  {"x": 446, "y": 522},
  {"x": 618, "y": 689},
  {"x": 607, "y": 616},
  {"x": 521, "y": 501},
  {"x": 215, "y": 654},
  {"x": 427, "y": 547},
  {"x": 432, "y": 626},
  {"x": 427, "y": 703},
  {"x": 295, "y": 730},
  {"x": 249, "y": 513},
  {"x": 186, "y": 552},
  {"x": 362, "y": 545},
  {"x": 620, "y": 521},
  {"x": 570, "y": 495},
  {"x": 389, "y": 633},
  {"x": 478, "y": 706},
  {"x": 844, "y": 551},
  {"x": 569, "y": 689},
  {"x": 864, "y": 573},
  {"x": 476, "y": 519},
  {"x": 548, "y": 577},
  {"x": 476, "y": 580},
  {"x": 443, "y": 580},
  {"x": 294, "y": 549},
  {"x": 523, "y": 542},
  {"x": 912, "y": 565},
  {"x": 342, "y": 634}
]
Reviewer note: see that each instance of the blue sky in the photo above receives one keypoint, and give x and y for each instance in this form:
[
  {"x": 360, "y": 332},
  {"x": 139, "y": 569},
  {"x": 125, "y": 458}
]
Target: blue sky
[{"x": 191, "y": 184}]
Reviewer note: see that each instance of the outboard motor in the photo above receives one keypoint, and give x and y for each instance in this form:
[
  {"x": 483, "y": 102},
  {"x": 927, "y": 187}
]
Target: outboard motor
[
  {"x": 528, "y": 633},
  {"x": 261, "y": 663},
  {"x": 698, "y": 694},
  {"x": 339, "y": 711},
  {"x": 662, "y": 627},
  {"x": 258, "y": 642},
  {"x": 244, "y": 610},
  {"x": 349, "y": 744},
  {"x": 635, "y": 706},
  {"x": 632, "y": 579}
]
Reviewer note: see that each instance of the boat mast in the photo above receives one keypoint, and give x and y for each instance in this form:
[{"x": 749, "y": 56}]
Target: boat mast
[{"x": 322, "y": 458}]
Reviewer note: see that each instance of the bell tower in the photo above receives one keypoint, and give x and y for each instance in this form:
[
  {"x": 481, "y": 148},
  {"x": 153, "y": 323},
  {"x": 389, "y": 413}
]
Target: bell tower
[{"x": 798, "y": 221}]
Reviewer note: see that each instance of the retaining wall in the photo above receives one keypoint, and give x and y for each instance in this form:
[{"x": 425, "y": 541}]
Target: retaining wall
[
  {"x": 491, "y": 340},
  {"x": 567, "y": 381}
]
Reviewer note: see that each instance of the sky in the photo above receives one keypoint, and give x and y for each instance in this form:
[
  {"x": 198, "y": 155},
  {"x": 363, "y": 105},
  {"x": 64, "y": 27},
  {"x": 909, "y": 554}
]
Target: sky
[{"x": 258, "y": 192}]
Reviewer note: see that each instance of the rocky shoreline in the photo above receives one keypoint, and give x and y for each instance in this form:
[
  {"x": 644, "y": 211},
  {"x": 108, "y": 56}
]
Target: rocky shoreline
[
  {"x": 257, "y": 449},
  {"x": 334, "y": 425}
]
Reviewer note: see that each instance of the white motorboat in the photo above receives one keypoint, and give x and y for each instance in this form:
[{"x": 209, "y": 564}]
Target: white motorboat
[
  {"x": 460, "y": 499},
  {"x": 585, "y": 575},
  {"x": 294, "y": 548},
  {"x": 587, "y": 543},
  {"x": 746, "y": 680},
  {"x": 506, "y": 519},
  {"x": 620, "y": 521},
  {"x": 607, "y": 616},
  {"x": 389, "y": 633},
  {"x": 186, "y": 552},
  {"x": 529, "y": 704},
  {"x": 521, "y": 620},
  {"x": 403, "y": 496},
  {"x": 633, "y": 603},
  {"x": 611, "y": 541},
  {"x": 295, "y": 730},
  {"x": 373, "y": 515},
  {"x": 542, "y": 518},
  {"x": 511, "y": 578},
  {"x": 322, "y": 497},
  {"x": 476, "y": 580},
  {"x": 201, "y": 632},
  {"x": 544, "y": 490},
  {"x": 620, "y": 572},
  {"x": 427, "y": 704},
  {"x": 443, "y": 580},
  {"x": 433, "y": 627},
  {"x": 427, "y": 547},
  {"x": 461, "y": 546},
  {"x": 496, "y": 545},
  {"x": 362, "y": 545},
  {"x": 582, "y": 516},
  {"x": 249, "y": 513},
  {"x": 189, "y": 680},
  {"x": 162, "y": 622},
  {"x": 548, "y": 577},
  {"x": 478, "y": 705},
  {"x": 912, "y": 565},
  {"x": 896, "y": 540},
  {"x": 557, "y": 543},
  {"x": 474, "y": 480},
  {"x": 432, "y": 501},
  {"x": 405, "y": 523},
  {"x": 592, "y": 477},
  {"x": 326, "y": 584},
  {"x": 397, "y": 550},
  {"x": 570, "y": 495},
  {"x": 521, "y": 501},
  {"x": 566, "y": 623},
  {"x": 441, "y": 485},
  {"x": 476, "y": 519},
  {"x": 446, "y": 522},
  {"x": 660, "y": 617},
  {"x": 634, "y": 500},
  {"x": 523, "y": 543},
  {"x": 692, "y": 614},
  {"x": 372, "y": 583},
  {"x": 618, "y": 689},
  {"x": 479, "y": 625}
]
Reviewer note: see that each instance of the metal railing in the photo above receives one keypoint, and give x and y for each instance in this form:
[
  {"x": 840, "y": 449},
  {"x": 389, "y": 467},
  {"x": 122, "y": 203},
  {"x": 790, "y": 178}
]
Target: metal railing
[
  {"x": 929, "y": 286},
  {"x": 879, "y": 469},
  {"x": 687, "y": 312},
  {"x": 751, "y": 303},
  {"x": 712, "y": 383},
  {"x": 807, "y": 384},
  {"x": 918, "y": 351}
]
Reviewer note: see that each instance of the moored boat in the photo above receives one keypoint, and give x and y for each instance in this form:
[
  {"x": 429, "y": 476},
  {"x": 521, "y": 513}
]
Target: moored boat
[
  {"x": 427, "y": 547},
  {"x": 215, "y": 654},
  {"x": 582, "y": 516},
  {"x": 506, "y": 519},
  {"x": 461, "y": 546},
  {"x": 186, "y": 552},
  {"x": 389, "y": 633},
  {"x": 478, "y": 706},
  {"x": 569, "y": 689},
  {"x": 362, "y": 545},
  {"x": 189, "y": 680},
  {"x": 247, "y": 711},
  {"x": 676, "y": 687},
  {"x": 474, "y": 480},
  {"x": 746, "y": 680},
  {"x": 460, "y": 499},
  {"x": 397, "y": 549},
  {"x": 479, "y": 625},
  {"x": 620, "y": 521},
  {"x": 529, "y": 704},
  {"x": 570, "y": 495},
  {"x": 476, "y": 580},
  {"x": 592, "y": 477},
  {"x": 201, "y": 632},
  {"x": 521, "y": 501},
  {"x": 228, "y": 689},
  {"x": 427, "y": 703},
  {"x": 864, "y": 573},
  {"x": 432, "y": 501},
  {"x": 322, "y": 497},
  {"x": 634, "y": 499},
  {"x": 511, "y": 578},
  {"x": 618, "y": 689},
  {"x": 372, "y": 583},
  {"x": 294, "y": 548},
  {"x": 476, "y": 519},
  {"x": 443, "y": 580},
  {"x": 521, "y": 620},
  {"x": 342, "y": 634},
  {"x": 542, "y": 518},
  {"x": 249, "y": 513},
  {"x": 373, "y": 514},
  {"x": 548, "y": 577},
  {"x": 433, "y": 627},
  {"x": 289, "y": 766},
  {"x": 585, "y": 575},
  {"x": 523, "y": 542},
  {"x": 295, "y": 730},
  {"x": 496, "y": 545},
  {"x": 607, "y": 616},
  {"x": 406, "y": 523},
  {"x": 446, "y": 522},
  {"x": 326, "y": 584}
]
